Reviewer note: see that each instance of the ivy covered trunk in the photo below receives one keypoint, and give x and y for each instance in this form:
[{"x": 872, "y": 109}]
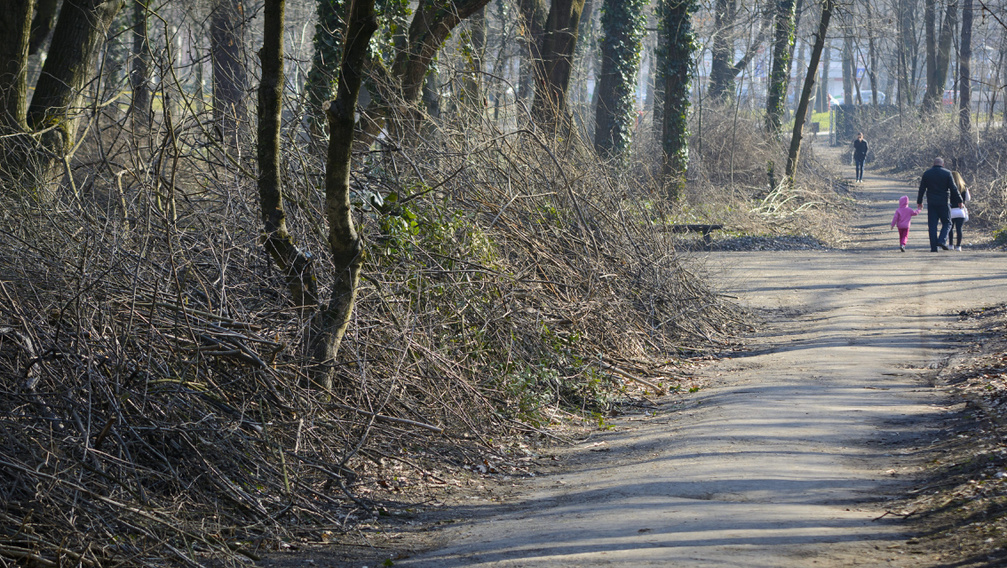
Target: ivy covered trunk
[
  {"x": 801, "y": 115},
  {"x": 779, "y": 77},
  {"x": 320, "y": 85},
  {"x": 622, "y": 23},
  {"x": 675, "y": 63}
]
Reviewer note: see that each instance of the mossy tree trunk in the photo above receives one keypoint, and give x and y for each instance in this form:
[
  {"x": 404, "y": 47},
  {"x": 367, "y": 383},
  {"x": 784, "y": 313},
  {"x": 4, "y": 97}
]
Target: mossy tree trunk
[
  {"x": 297, "y": 267},
  {"x": 801, "y": 115},
  {"x": 675, "y": 64},
  {"x": 779, "y": 77},
  {"x": 15, "y": 29},
  {"x": 329, "y": 324},
  {"x": 622, "y": 23},
  {"x": 80, "y": 31}
]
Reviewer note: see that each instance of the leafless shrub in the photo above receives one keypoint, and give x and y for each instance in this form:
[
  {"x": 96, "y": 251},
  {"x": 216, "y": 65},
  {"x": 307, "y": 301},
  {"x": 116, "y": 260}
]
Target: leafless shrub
[{"x": 150, "y": 358}]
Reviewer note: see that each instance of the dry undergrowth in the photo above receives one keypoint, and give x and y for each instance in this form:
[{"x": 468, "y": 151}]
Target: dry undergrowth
[{"x": 959, "y": 505}]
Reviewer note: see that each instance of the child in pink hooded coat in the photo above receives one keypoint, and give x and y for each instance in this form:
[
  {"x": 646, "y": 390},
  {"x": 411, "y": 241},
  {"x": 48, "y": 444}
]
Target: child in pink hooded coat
[{"x": 903, "y": 216}]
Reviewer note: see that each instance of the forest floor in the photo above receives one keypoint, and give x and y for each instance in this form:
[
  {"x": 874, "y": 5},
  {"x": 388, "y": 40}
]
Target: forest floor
[{"x": 859, "y": 426}]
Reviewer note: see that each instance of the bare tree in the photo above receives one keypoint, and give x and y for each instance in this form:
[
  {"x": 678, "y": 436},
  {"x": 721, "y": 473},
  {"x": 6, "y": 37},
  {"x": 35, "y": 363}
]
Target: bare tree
[{"x": 809, "y": 82}]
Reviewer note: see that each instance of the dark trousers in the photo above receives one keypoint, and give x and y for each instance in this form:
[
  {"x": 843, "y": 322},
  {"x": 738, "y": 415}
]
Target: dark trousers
[
  {"x": 938, "y": 212},
  {"x": 860, "y": 167},
  {"x": 958, "y": 229}
]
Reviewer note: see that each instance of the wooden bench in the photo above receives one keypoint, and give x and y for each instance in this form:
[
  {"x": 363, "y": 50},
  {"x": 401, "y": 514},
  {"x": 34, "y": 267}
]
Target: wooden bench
[{"x": 695, "y": 228}]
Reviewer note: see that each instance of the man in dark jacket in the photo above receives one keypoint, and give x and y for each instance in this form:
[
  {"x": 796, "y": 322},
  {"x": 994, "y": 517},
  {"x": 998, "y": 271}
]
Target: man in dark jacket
[{"x": 939, "y": 186}]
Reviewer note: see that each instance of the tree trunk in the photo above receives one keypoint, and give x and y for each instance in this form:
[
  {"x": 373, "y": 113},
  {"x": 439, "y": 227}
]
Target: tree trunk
[
  {"x": 722, "y": 51},
  {"x": 552, "y": 71},
  {"x": 872, "y": 54},
  {"x": 76, "y": 41},
  {"x": 907, "y": 53},
  {"x": 533, "y": 18},
  {"x": 938, "y": 55},
  {"x": 779, "y": 76},
  {"x": 230, "y": 80},
  {"x": 809, "y": 82},
  {"x": 432, "y": 23},
  {"x": 328, "y": 42},
  {"x": 823, "y": 85},
  {"x": 474, "y": 100},
  {"x": 965, "y": 74},
  {"x": 676, "y": 67},
  {"x": 849, "y": 69},
  {"x": 15, "y": 29},
  {"x": 622, "y": 23},
  {"x": 930, "y": 37},
  {"x": 41, "y": 24},
  {"x": 139, "y": 73},
  {"x": 297, "y": 267},
  {"x": 329, "y": 324}
]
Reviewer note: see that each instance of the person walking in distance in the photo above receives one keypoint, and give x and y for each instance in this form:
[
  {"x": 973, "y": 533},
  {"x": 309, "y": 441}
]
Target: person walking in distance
[
  {"x": 860, "y": 155},
  {"x": 903, "y": 216},
  {"x": 939, "y": 186}
]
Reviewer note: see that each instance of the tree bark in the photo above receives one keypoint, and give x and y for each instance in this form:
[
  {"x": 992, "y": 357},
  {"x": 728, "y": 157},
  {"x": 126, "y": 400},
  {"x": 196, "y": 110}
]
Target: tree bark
[
  {"x": 872, "y": 54},
  {"x": 622, "y": 23},
  {"x": 139, "y": 73},
  {"x": 552, "y": 70},
  {"x": 938, "y": 55},
  {"x": 849, "y": 69},
  {"x": 330, "y": 28},
  {"x": 533, "y": 18},
  {"x": 676, "y": 67},
  {"x": 15, "y": 29},
  {"x": 823, "y": 85},
  {"x": 76, "y": 40},
  {"x": 965, "y": 74},
  {"x": 432, "y": 23},
  {"x": 41, "y": 24},
  {"x": 230, "y": 79},
  {"x": 329, "y": 324},
  {"x": 722, "y": 51},
  {"x": 779, "y": 77},
  {"x": 801, "y": 115},
  {"x": 296, "y": 266},
  {"x": 474, "y": 80}
]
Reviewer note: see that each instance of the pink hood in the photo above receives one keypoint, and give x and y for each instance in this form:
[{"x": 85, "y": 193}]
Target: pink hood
[{"x": 903, "y": 215}]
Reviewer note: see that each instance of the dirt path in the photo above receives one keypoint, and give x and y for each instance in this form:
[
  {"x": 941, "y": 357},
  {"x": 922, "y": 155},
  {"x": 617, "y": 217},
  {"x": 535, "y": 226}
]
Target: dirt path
[{"x": 783, "y": 459}]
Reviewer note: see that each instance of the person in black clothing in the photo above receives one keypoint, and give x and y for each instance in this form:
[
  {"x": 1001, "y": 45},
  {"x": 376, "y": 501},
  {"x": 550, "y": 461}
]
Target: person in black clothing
[
  {"x": 939, "y": 186},
  {"x": 860, "y": 155}
]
